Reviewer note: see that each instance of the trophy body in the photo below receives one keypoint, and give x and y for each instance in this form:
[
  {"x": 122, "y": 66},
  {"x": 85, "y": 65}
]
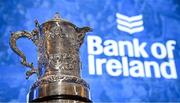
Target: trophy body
[{"x": 58, "y": 42}]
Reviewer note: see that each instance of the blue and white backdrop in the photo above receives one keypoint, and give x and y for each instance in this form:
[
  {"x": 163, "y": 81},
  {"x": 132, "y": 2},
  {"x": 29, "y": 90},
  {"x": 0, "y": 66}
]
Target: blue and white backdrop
[{"x": 133, "y": 53}]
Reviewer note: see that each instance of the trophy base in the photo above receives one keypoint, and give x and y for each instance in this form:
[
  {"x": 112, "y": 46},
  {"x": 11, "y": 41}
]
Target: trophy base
[
  {"x": 65, "y": 89},
  {"x": 62, "y": 99}
]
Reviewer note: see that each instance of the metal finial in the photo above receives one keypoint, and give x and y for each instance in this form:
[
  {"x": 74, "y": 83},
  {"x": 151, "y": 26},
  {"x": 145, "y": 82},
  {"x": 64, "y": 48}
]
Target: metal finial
[
  {"x": 57, "y": 15},
  {"x": 36, "y": 23}
]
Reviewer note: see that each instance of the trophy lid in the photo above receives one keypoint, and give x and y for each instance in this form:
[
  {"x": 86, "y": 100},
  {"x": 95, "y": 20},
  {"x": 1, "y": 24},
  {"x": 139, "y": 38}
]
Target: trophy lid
[{"x": 57, "y": 18}]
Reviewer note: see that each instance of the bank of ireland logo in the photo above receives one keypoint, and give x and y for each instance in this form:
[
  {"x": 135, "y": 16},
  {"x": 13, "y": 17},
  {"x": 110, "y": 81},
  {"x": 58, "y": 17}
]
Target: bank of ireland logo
[{"x": 131, "y": 24}]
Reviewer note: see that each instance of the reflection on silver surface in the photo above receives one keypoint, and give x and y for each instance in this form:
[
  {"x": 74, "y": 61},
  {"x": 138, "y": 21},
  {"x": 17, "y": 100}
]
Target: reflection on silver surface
[{"x": 58, "y": 43}]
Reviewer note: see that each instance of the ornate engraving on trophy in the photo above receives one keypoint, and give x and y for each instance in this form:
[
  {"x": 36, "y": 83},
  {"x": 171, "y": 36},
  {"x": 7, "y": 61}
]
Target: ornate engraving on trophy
[
  {"x": 58, "y": 43},
  {"x": 55, "y": 32},
  {"x": 62, "y": 61}
]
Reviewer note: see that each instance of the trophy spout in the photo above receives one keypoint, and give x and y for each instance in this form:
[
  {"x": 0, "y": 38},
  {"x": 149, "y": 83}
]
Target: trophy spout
[{"x": 82, "y": 32}]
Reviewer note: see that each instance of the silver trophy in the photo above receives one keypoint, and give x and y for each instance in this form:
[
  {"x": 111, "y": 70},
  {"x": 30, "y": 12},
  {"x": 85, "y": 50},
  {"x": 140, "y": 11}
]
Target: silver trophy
[{"x": 58, "y": 42}]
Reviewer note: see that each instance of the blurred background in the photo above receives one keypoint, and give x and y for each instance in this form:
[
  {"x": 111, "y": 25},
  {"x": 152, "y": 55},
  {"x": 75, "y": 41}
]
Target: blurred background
[{"x": 161, "y": 20}]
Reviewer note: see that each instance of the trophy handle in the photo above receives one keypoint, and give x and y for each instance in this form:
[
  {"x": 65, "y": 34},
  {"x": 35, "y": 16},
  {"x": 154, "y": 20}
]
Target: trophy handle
[{"x": 24, "y": 34}]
